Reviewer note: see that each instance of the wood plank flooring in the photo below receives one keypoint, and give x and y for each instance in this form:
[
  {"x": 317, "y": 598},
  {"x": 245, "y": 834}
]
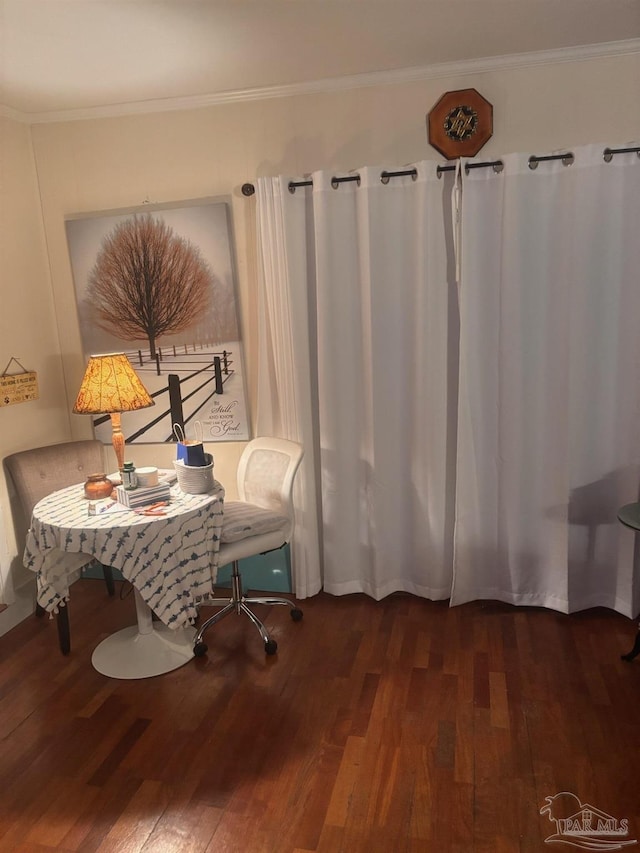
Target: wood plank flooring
[{"x": 401, "y": 726}]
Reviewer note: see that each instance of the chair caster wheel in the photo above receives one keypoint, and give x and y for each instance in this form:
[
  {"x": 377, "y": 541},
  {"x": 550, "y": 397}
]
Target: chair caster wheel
[
  {"x": 296, "y": 614},
  {"x": 271, "y": 647},
  {"x": 200, "y": 649}
]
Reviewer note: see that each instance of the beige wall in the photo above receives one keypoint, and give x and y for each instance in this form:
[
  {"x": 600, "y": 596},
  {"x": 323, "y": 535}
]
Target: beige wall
[
  {"x": 28, "y": 323},
  {"x": 105, "y": 164}
]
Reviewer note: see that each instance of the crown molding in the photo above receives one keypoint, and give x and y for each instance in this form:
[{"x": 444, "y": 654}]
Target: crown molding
[
  {"x": 334, "y": 84},
  {"x": 14, "y": 115}
]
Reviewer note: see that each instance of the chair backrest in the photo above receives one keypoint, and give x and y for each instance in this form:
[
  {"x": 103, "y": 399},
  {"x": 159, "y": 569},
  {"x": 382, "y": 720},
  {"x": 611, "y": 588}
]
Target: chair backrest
[
  {"x": 266, "y": 472},
  {"x": 36, "y": 473}
]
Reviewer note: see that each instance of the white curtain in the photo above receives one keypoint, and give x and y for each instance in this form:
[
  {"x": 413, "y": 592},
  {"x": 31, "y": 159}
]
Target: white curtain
[
  {"x": 370, "y": 260},
  {"x": 533, "y": 453},
  {"x": 549, "y": 395},
  {"x": 285, "y": 390}
]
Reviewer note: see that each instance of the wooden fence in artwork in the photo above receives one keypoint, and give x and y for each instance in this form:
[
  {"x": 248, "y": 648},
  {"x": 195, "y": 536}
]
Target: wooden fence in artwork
[
  {"x": 185, "y": 353},
  {"x": 193, "y": 377}
]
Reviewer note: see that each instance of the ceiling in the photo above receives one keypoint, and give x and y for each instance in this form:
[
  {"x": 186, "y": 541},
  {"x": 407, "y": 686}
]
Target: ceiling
[{"x": 60, "y": 56}]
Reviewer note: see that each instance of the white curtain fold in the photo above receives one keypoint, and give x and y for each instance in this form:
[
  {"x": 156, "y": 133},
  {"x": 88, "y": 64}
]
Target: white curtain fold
[
  {"x": 372, "y": 260},
  {"x": 549, "y": 393},
  {"x": 382, "y": 306},
  {"x": 285, "y": 392}
]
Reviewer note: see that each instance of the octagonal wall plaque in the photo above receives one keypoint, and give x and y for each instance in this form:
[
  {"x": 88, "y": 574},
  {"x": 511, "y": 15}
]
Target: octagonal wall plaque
[{"x": 460, "y": 123}]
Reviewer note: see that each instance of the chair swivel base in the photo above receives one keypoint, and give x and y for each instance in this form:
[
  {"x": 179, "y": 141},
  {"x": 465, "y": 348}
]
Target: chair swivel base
[{"x": 239, "y": 603}]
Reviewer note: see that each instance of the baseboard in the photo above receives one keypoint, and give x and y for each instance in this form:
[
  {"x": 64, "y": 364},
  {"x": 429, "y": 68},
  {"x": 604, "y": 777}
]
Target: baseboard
[{"x": 23, "y": 607}]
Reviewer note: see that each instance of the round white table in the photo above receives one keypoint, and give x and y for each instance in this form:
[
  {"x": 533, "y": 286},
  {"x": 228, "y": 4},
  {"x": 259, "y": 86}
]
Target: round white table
[{"x": 171, "y": 561}]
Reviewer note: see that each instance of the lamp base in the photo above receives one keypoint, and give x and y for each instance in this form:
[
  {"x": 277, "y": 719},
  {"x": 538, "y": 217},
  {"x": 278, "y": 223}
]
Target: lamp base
[{"x": 117, "y": 439}]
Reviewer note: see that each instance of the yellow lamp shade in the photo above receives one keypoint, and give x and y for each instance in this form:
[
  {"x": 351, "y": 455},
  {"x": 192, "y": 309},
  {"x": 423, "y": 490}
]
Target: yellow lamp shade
[{"x": 110, "y": 384}]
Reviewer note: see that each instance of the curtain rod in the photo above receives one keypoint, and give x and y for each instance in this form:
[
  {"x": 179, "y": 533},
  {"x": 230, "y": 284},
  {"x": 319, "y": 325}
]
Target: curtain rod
[
  {"x": 249, "y": 189},
  {"x": 497, "y": 166}
]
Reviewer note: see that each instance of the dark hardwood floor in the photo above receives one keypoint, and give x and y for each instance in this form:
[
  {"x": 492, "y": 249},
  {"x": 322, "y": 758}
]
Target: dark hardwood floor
[{"x": 380, "y": 727}]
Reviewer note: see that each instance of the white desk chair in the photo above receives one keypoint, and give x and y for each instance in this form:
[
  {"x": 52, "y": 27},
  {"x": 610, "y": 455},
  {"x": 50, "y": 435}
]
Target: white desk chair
[{"x": 262, "y": 520}]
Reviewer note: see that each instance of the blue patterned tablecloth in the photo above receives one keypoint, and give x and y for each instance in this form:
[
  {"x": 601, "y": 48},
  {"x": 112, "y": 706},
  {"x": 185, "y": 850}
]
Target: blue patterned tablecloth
[{"x": 172, "y": 560}]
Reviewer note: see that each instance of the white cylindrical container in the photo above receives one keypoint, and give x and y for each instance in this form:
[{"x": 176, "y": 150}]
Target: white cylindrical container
[{"x": 147, "y": 476}]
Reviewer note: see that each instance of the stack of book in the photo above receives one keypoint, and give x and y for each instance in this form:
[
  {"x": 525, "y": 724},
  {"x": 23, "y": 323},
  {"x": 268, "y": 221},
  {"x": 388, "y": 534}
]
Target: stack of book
[{"x": 143, "y": 496}]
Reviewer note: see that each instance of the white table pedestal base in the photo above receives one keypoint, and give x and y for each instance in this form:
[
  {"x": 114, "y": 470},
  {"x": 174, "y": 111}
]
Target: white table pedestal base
[
  {"x": 143, "y": 650},
  {"x": 128, "y": 654}
]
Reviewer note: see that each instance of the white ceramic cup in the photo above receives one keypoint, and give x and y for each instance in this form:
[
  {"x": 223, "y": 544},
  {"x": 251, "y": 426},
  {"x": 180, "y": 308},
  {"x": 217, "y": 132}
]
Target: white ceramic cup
[{"x": 147, "y": 476}]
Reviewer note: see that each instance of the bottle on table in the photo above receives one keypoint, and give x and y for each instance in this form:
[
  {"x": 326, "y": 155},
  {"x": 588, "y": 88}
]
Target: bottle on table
[{"x": 129, "y": 476}]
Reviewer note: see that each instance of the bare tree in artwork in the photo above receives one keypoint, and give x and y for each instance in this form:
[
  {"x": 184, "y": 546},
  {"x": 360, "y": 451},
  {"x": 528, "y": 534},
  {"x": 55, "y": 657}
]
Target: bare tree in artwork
[{"x": 148, "y": 281}]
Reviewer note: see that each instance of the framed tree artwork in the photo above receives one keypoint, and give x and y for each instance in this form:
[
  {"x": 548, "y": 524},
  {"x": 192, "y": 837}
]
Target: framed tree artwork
[{"x": 158, "y": 283}]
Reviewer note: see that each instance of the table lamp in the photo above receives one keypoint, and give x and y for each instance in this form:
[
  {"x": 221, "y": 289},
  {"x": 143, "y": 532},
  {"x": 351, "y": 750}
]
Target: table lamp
[{"x": 111, "y": 386}]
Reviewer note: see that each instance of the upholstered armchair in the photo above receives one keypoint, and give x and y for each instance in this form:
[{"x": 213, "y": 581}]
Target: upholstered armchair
[{"x": 34, "y": 474}]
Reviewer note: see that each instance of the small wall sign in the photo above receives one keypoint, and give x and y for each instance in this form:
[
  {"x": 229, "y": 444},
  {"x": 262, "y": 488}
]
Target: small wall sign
[
  {"x": 460, "y": 123},
  {"x": 18, "y": 387}
]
